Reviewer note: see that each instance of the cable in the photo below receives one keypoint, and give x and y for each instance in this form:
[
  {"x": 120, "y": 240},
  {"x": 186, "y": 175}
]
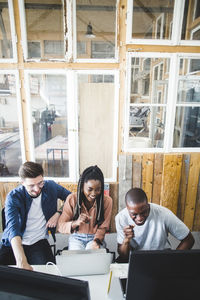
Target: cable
[{"x": 49, "y": 263}]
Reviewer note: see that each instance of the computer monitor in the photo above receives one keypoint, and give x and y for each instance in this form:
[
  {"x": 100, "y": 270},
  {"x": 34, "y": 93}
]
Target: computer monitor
[
  {"x": 163, "y": 275},
  {"x": 19, "y": 284}
]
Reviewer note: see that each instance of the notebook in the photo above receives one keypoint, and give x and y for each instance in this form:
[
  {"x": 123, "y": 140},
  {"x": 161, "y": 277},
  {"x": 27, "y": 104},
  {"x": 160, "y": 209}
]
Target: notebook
[{"x": 87, "y": 262}]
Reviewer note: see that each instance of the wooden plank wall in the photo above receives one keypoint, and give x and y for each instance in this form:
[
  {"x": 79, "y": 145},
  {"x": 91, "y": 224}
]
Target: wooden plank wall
[
  {"x": 6, "y": 187},
  {"x": 171, "y": 180}
]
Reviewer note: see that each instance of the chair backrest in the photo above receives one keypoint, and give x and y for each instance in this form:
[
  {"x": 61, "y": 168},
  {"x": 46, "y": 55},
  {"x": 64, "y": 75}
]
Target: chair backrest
[{"x": 3, "y": 218}]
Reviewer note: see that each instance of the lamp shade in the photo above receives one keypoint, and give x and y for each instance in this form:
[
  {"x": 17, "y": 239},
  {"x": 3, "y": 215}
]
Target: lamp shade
[{"x": 89, "y": 33}]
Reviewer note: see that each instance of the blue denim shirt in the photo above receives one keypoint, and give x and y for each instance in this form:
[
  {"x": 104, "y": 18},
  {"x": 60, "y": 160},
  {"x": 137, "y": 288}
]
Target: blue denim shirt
[{"x": 18, "y": 203}]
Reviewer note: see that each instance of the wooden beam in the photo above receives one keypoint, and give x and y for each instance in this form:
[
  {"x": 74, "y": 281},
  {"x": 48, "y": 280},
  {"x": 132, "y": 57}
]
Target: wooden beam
[
  {"x": 121, "y": 42},
  {"x": 183, "y": 186},
  {"x": 147, "y": 174},
  {"x": 157, "y": 177},
  {"x": 196, "y": 223},
  {"x": 193, "y": 181},
  {"x": 137, "y": 170},
  {"x": 125, "y": 178},
  {"x": 114, "y": 195},
  {"x": 172, "y": 164},
  {"x": 162, "y": 48}
]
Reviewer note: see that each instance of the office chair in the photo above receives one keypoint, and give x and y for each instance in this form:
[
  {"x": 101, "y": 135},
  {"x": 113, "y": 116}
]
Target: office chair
[{"x": 3, "y": 218}]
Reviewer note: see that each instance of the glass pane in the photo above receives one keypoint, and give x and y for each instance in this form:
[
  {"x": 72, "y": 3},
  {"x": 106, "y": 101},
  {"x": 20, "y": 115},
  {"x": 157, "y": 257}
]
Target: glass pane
[
  {"x": 50, "y": 124},
  {"x": 188, "y": 91},
  {"x": 97, "y": 37},
  {"x": 45, "y": 28},
  {"x": 96, "y": 96},
  {"x": 148, "y": 78},
  {"x": 187, "y": 127},
  {"x": 10, "y": 148},
  {"x": 189, "y": 81},
  {"x": 146, "y": 127},
  {"x": 152, "y": 19},
  {"x": 5, "y": 32},
  {"x": 190, "y": 26}
]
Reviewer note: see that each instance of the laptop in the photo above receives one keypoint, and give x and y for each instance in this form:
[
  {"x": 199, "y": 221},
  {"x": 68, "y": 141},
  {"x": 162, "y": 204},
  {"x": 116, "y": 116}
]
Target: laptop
[{"x": 87, "y": 262}]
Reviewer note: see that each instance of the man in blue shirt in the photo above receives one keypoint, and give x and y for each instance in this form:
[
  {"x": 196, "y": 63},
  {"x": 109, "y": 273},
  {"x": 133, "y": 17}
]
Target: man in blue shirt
[{"x": 30, "y": 209}]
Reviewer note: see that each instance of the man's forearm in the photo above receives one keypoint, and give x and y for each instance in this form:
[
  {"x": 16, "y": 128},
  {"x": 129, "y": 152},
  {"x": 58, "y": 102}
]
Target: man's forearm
[
  {"x": 18, "y": 250},
  {"x": 124, "y": 248},
  {"x": 186, "y": 243}
]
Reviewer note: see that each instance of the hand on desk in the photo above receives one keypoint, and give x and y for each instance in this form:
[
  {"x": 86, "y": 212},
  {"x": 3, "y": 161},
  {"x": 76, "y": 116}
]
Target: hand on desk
[{"x": 24, "y": 265}]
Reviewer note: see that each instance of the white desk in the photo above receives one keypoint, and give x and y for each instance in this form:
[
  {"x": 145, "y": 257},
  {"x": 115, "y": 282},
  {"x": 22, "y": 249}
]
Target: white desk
[{"x": 98, "y": 284}]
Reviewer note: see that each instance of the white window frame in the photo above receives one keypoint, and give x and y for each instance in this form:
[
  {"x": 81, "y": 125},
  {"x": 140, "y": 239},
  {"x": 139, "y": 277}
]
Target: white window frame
[
  {"x": 195, "y": 7},
  {"x": 189, "y": 42},
  {"x": 161, "y": 17},
  {"x": 67, "y": 33},
  {"x": 96, "y": 60},
  {"x": 170, "y": 105},
  {"x": 176, "y": 79},
  {"x": 13, "y": 35},
  {"x": 72, "y": 120},
  {"x": 115, "y": 73},
  {"x": 176, "y": 26},
  {"x": 20, "y": 122},
  {"x": 128, "y": 104},
  {"x": 193, "y": 31}
]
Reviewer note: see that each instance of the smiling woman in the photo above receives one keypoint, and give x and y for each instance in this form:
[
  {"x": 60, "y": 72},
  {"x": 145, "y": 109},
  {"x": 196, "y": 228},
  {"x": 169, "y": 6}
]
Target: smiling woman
[{"x": 86, "y": 215}]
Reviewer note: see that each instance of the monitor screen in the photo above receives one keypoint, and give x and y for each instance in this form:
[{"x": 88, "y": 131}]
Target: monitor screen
[
  {"x": 163, "y": 275},
  {"x": 19, "y": 284}
]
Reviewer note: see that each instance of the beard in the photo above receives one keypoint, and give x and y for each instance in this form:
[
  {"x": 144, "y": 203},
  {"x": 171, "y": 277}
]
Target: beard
[{"x": 35, "y": 196}]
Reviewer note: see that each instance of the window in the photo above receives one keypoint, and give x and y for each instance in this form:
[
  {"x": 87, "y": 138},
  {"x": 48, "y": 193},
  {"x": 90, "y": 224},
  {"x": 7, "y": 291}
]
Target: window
[
  {"x": 149, "y": 20},
  {"x": 99, "y": 36},
  {"x": 187, "y": 115},
  {"x": 103, "y": 49},
  {"x": 196, "y": 10},
  {"x": 46, "y": 29},
  {"x": 191, "y": 21},
  {"x": 147, "y": 109},
  {"x": 68, "y": 67},
  {"x": 63, "y": 125},
  {"x": 11, "y": 138},
  {"x": 51, "y": 117},
  {"x": 169, "y": 117},
  {"x": 7, "y": 31}
]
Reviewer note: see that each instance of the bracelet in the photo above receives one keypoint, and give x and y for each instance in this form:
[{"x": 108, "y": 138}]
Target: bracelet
[
  {"x": 98, "y": 242},
  {"x": 60, "y": 212}
]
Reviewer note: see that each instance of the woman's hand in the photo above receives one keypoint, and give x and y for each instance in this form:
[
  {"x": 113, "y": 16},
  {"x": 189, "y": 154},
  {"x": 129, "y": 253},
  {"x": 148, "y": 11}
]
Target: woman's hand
[
  {"x": 83, "y": 218},
  {"x": 95, "y": 245}
]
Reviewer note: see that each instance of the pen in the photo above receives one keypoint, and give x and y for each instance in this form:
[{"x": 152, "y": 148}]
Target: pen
[{"x": 109, "y": 282}]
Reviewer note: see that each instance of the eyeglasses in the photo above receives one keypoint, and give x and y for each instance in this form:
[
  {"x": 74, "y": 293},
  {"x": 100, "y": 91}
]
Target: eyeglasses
[{"x": 39, "y": 184}]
